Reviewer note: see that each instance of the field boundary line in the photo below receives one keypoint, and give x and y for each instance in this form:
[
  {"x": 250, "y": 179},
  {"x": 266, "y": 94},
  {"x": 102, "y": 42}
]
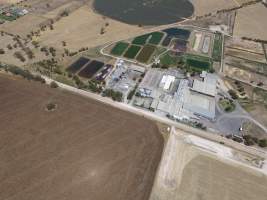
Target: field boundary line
[{"x": 146, "y": 114}]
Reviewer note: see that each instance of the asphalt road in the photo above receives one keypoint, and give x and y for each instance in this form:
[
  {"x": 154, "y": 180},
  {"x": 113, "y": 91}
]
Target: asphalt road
[{"x": 152, "y": 116}]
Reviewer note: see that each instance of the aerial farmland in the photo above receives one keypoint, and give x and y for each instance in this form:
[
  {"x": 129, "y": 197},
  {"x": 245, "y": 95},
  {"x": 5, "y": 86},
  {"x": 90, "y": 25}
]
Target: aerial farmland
[
  {"x": 76, "y": 151},
  {"x": 133, "y": 100}
]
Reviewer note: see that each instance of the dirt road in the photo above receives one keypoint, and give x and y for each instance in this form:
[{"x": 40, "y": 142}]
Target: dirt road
[{"x": 152, "y": 116}]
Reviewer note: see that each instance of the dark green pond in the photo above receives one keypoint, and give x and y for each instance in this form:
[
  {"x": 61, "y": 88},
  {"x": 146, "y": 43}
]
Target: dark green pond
[{"x": 145, "y": 12}]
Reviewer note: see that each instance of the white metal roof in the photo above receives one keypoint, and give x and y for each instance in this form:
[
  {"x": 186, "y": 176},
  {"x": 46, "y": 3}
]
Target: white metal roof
[
  {"x": 166, "y": 81},
  {"x": 208, "y": 86}
]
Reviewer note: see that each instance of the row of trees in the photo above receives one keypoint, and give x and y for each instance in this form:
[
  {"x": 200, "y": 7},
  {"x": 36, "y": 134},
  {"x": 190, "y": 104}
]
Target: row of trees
[
  {"x": 23, "y": 73},
  {"x": 115, "y": 95},
  {"x": 250, "y": 140}
]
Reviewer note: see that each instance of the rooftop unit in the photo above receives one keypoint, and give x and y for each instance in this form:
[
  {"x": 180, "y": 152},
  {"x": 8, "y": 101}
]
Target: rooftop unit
[{"x": 167, "y": 81}]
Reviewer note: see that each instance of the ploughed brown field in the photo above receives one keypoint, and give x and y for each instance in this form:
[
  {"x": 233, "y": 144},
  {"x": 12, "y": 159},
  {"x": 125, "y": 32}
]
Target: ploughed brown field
[{"x": 84, "y": 150}]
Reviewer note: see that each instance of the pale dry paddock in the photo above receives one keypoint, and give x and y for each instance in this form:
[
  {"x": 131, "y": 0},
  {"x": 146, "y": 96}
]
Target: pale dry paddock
[
  {"x": 203, "y": 7},
  {"x": 251, "y": 22},
  {"x": 188, "y": 172},
  {"x": 83, "y": 27}
]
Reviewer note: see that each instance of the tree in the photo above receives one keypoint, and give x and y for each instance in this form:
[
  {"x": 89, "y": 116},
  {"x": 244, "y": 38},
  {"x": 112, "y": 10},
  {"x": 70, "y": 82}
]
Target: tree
[
  {"x": 9, "y": 46},
  {"x": 64, "y": 43},
  {"x": 212, "y": 70},
  {"x": 35, "y": 44},
  {"x": 131, "y": 94},
  {"x": 233, "y": 94},
  {"x": 248, "y": 140},
  {"x": 263, "y": 143},
  {"x": 65, "y": 13},
  {"x": 51, "y": 27},
  {"x": 260, "y": 84},
  {"x": 115, "y": 95},
  {"x": 19, "y": 55},
  {"x": 53, "y": 84},
  {"x": 102, "y": 31},
  {"x": 51, "y": 106},
  {"x": 2, "y": 51}
]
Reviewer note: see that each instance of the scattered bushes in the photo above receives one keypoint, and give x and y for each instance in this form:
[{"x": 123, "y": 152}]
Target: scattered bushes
[
  {"x": 53, "y": 84},
  {"x": 19, "y": 56},
  {"x": 24, "y": 73},
  {"x": 94, "y": 86},
  {"x": 233, "y": 94},
  {"x": 78, "y": 82},
  {"x": 2, "y": 51},
  {"x": 116, "y": 96},
  {"x": 250, "y": 140},
  {"x": 131, "y": 93},
  {"x": 51, "y": 106},
  {"x": 262, "y": 143}
]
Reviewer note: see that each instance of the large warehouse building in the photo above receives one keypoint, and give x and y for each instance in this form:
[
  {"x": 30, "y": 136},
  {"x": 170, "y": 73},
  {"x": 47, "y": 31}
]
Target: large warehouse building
[
  {"x": 207, "y": 86},
  {"x": 171, "y": 95},
  {"x": 200, "y": 105}
]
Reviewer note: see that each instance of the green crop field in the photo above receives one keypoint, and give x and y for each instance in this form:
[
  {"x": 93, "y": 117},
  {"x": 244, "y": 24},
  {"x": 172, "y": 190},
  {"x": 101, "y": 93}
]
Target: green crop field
[
  {"x": 170, "y": 60},
  {"x": 156, "y": 37},
  {"x": 132, "y": 51},
  {"x": 198, "y": 63},
  {"x": 119, "y": 48},
  {"x": 141, "y": 40},
  {"x": 146, "y": 53},
  {"x": 217, "y": 48}
]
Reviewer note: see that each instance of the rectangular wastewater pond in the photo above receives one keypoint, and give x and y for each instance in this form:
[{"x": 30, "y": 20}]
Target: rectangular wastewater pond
[
  {"x": 90, "y": 69},
  {"x": 178, "y": 33},
  {"x": 77, "y": 65}
]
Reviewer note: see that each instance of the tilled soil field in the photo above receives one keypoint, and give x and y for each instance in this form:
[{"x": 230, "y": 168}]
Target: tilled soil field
[{"x": 83, "y": 150}]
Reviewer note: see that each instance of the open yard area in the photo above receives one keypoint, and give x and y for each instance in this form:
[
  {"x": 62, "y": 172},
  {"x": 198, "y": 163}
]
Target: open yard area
[
  {"x": 203, "y": 7},
  {"x": 83, "y": 27},
  {"x": 195, "y": 169},
  {"x": 251, "y": 22},
  {"x": 81, "y": 150}
]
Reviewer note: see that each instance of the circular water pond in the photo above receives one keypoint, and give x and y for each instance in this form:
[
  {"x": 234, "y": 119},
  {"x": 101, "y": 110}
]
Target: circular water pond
[{"x": 145, "y": 12}]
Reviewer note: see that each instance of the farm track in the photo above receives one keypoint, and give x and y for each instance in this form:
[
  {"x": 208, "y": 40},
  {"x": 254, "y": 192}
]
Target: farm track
[{"x": 82, "y": 150}]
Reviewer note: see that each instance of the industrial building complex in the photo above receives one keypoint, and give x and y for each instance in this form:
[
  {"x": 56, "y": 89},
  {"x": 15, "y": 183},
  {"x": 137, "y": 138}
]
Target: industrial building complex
[{"x": 169, "y": 93}]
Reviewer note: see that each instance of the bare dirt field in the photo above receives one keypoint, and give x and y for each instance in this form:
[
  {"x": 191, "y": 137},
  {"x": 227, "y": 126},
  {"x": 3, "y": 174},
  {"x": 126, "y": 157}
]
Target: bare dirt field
[
  {"x": 190, "y": 172},
  {"x": 251, "y": 22},
  {"x": 81, "y": 150},
  {"x": 82, "y": 28},
  {"x": 203, "y": 7}
]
